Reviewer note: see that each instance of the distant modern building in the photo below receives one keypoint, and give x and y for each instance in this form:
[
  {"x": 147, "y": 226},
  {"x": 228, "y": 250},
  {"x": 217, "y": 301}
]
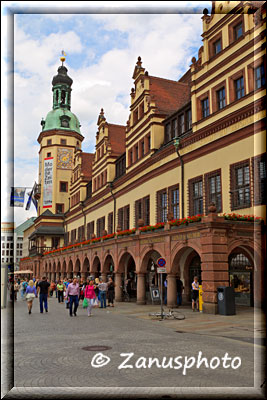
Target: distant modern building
[
  {"x": 12, "y": 242},
  {"x": 7, "y": 242},
  {"x": 183, "y": 179}
]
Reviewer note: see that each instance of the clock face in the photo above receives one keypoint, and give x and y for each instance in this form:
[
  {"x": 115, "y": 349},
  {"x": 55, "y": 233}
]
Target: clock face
[{"x": 64, "y": 158}]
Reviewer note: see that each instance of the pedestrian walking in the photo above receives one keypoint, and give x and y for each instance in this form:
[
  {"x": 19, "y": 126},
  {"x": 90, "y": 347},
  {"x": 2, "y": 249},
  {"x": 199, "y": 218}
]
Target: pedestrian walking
[
  {"x": 195, "y": 293},
  {"x": 52, "y": 288},
  {"x": 73, "y": 292},
  {"x": 103, "y": 287},
  {"x": 165, "y": 290},
  {"x": 89, "y": 295},
  {"x": 24, "y": 287},
  {"x": 42, "y": 289},
  {"x": 16, "y": 290},
  {"x": 97, "y": 292},
  {"x": 60, "y": 291},
  {"x": 81, "y": 286},
  {"x": 30, "y": 295},
  {"x": 56, "y": 282},
  {"x": 180, "y": 288},
  {"x": 111, "y": 292}
]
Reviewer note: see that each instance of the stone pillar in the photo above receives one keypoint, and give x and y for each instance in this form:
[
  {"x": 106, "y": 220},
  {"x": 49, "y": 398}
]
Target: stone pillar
[
  {"x": 57, "y": 276},
  {"x": 171, "y": 291},
  {"x": 118, "y": 288},
  {"x": 84, "y": 276},
  {"x": 141, "y": 289},
  {"x": 214, "y": 260},
  {"x": 68, "y": 275},
  {"x": 104, "y": 277}
]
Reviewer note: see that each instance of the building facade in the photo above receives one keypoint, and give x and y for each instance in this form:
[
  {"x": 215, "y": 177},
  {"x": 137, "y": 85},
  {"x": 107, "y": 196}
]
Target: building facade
[
  {"x": 7, "y": 242},
  {"x": 184, "y": 179},
  {"x": 14, "y": 246}
]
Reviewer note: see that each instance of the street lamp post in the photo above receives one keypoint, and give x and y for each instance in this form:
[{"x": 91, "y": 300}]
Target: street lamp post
[{"x": 176, "y": 143}]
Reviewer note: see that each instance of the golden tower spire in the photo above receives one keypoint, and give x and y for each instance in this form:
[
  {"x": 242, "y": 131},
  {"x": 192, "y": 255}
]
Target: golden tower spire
[{"x": 63, "y": 56}]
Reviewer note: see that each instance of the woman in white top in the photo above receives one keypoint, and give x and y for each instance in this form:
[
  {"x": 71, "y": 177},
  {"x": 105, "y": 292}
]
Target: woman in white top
[{"x": 195, "y": 293}]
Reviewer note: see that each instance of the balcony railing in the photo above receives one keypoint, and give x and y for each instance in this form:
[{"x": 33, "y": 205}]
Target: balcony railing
[{"x": 38, "y": 250}]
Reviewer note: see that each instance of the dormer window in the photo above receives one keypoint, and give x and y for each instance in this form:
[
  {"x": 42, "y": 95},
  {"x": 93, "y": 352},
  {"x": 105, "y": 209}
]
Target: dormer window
[
  {"x": 65, "y": 121},
  {"x": 238, "y": 31},
  {"x": 217, "y": 46}
]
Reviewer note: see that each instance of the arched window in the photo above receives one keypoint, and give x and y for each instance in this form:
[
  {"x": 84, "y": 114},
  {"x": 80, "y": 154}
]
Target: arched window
[
  {"x": 239, "y": 260},
  {"x": 63, "y": 96}
]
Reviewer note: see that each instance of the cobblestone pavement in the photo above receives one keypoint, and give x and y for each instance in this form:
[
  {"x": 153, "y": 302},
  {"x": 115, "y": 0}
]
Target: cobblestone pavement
[{"x": 49, "y": 351}]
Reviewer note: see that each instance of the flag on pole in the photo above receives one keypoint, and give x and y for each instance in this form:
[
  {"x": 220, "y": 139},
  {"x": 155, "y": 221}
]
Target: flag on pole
[
  {"x": 31, "y": 199},
  {"x": 17, "y": 196}
]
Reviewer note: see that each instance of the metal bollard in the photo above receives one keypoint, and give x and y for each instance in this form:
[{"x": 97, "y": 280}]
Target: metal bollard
[{"x": 200, "y": 299}]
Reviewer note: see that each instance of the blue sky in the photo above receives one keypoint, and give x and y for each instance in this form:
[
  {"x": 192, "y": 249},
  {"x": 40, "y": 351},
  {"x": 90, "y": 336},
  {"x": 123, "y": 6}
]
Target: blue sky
[{"x": 102, "y": 50}]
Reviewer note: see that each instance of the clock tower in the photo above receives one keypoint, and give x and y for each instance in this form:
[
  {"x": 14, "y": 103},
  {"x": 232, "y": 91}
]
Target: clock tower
[{"x": 59, "y": 139}]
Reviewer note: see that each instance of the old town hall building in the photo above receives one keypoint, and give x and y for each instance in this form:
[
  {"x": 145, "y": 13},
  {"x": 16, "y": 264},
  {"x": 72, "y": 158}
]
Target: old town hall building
[{"x": 184, "y": 178}]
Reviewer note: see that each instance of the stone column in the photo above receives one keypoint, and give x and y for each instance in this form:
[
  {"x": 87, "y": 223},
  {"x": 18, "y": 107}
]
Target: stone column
[
  {"x": 214, "y": 260},
  {"x": 57, "y": 276},
  {"x": 68, "y": 275},
  {"x": 84, "y": 276},
  {"x": 141, "y": 289},
  {"x": 171, "y": 291},
  {"x": 104, "y": 277},
  {"x": 118, "y": 288}
]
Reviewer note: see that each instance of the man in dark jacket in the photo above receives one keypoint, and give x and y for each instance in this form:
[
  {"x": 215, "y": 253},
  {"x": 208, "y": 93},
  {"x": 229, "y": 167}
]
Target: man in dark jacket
[{"x": 42, "y": 289}]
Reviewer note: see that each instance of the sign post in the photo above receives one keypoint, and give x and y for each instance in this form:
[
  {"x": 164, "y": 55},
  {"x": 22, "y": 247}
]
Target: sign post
[{"x": 161, "y": 270}]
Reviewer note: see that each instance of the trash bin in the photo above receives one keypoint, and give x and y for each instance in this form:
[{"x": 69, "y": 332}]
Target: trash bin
[{"x": 226, "y": 300}]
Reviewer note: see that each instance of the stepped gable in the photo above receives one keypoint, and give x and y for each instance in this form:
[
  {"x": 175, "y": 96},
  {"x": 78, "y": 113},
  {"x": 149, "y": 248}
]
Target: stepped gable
[
  {"x": 116, "y": 134},
  {"x": 186, "y": 78},
  {"x": 168, "y": 95},
  {"x": 86, "y": 164}
]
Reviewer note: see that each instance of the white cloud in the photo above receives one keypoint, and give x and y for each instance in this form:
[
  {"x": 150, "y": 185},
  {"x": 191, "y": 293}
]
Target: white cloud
[{"x": 163, "y": 42}]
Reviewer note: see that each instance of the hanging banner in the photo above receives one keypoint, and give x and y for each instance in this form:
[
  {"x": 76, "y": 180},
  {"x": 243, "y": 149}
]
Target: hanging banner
[
  {"x": 17, "y": 196},
  {"x": 48, "y": 182}
]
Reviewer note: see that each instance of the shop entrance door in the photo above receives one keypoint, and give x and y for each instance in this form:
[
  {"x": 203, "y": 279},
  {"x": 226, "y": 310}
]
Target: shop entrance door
[
  {"x": 241, "y": 279},
  {"x": 195, "y": 270}
]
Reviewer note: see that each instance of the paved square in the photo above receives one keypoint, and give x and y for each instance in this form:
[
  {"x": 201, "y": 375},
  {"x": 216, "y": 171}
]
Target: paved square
[{"x": 49, "y": 350}]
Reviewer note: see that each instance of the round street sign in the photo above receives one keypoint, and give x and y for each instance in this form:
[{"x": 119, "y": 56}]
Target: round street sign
[{"x": 161, "y": 262}]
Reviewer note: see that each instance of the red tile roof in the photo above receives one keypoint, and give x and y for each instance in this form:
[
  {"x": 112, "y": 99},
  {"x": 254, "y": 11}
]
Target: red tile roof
[
  {"x": 168, "y": 95},
  {"x": 86, "y": 164},
  {"x": 116, "y": 134}
]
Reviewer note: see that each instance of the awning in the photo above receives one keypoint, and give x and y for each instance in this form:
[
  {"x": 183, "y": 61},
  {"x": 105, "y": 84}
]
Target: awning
[{"x": 26, "y": 271}]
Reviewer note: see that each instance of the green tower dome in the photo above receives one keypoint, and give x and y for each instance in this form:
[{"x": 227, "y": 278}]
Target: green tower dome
[{"x": 61, "y": 117}]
